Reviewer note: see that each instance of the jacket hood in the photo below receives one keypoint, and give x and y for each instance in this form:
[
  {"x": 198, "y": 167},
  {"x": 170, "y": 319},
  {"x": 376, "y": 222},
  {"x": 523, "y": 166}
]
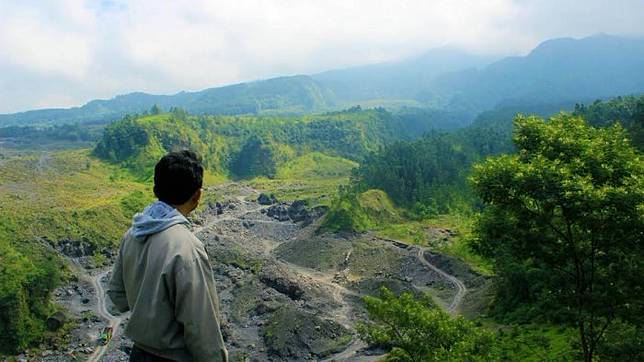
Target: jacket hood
[{"x": 155, "y": 218}]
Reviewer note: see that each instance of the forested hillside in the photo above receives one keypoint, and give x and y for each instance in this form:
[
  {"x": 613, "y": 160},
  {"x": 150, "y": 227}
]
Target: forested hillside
[
  {"x": 246, "y": 146},
  {"x": 404, "y": 79},
  {"x": 628, "y": 111},
  {"x": 430, "y": 174},
  {"x": 561, "y": 218}
]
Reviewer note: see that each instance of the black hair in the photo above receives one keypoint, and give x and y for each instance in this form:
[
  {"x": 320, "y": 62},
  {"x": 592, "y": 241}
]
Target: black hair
[{"x": 177, "y": 176}]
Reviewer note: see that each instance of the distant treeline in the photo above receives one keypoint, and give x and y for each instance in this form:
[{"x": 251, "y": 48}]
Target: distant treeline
[{"x": 37, "y": 137}]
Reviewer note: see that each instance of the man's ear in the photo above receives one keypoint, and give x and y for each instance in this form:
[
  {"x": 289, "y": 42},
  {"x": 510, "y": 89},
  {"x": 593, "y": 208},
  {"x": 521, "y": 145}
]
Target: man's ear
[{"x": 197, "y": 196}]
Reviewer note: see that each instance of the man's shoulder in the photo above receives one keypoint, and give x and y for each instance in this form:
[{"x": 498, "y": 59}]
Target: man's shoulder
[{"x": 177, "y": 239}]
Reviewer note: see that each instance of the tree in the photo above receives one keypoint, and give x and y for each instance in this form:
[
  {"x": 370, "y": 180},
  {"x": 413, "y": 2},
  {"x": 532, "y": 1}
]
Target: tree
[
  {"x": 416, "y": 330},
  {"x": 155, "y": 110},
  {"x": 564, "y": 222}
]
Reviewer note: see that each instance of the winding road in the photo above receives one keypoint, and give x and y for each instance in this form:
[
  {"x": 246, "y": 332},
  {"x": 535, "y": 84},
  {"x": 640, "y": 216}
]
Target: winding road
[
  {"x": 452, "y": 308},
  {"x": 461, "y": 289},
  {"x": 101, "y": 310}
]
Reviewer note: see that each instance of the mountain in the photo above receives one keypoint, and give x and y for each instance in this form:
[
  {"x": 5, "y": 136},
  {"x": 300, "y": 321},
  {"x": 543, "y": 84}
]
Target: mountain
[
  {"x": 403, "y": 79},
  {"x": 556, "y": 71},
  {"x": 295, "y": 94}
]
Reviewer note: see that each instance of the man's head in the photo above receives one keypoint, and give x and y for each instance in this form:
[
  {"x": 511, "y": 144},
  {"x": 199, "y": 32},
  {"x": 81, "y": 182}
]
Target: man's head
[{"x": 178, "y": 178}]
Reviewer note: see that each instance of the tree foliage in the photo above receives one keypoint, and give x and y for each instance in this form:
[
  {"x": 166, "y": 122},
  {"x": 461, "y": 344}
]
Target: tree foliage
[
  {"x": 247, "y": 146},
  {"x": 413, "y": 329},
  {"x": 564, "y": 223},
  {"x": 25, "y": 287},
  {"x": 628, "y": 111}
]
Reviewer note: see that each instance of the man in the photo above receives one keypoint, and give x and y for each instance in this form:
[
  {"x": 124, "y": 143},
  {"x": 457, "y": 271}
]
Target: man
[{"x": 162, "y": 273}]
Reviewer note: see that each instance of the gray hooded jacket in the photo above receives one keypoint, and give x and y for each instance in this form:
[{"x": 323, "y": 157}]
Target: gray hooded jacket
[{"x": 162, "y": 274}]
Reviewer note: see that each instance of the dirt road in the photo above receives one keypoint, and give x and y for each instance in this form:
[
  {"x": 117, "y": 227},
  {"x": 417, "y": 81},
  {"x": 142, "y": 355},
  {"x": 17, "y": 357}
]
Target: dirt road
[
  {"x": 461, "y": 289},
  {"x": 101, "y": 310}
]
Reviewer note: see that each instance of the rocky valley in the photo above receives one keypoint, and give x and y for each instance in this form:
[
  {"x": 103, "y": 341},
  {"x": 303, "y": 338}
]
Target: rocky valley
[{"x": 287, "y": 291}]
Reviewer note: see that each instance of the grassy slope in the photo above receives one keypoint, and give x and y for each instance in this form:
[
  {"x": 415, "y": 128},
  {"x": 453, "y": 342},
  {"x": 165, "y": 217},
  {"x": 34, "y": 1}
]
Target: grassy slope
[
  {"x": 53, "y": 196},
  {"x": 416, "y": 232},
  {"x": 66, "y": 195},
  {"x": 314, "y": 177}
]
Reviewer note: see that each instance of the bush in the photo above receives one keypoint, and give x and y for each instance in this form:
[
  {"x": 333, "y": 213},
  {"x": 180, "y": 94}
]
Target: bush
[{"x": 413, "y": 329}]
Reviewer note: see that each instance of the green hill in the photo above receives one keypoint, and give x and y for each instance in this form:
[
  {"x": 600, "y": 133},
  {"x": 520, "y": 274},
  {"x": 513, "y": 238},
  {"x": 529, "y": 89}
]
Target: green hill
[
  {"x": 359, "y": 212},
  {"x": 248, "y": 146}
]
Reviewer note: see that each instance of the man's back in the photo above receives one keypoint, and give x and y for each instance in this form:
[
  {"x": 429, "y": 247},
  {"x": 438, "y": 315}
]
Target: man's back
[
  {"x": 162, "y": 274},
  {"x": 166, "y": 281}
]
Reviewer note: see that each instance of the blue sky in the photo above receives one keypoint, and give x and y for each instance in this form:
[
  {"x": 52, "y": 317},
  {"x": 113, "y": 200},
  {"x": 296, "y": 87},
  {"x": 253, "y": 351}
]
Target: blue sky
[{"x": 61, "y": 53}]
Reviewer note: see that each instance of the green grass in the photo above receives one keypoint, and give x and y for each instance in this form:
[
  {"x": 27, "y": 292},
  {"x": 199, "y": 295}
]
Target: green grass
[
  {"x": 416, "y": 232},
  {"x": 53, "y": 196},
  {"x": 360, "y": 212},
  {"x": 315, "y": 165},
  {"x": 67, "y": 194},
  {"x": 313, "y": 177}
]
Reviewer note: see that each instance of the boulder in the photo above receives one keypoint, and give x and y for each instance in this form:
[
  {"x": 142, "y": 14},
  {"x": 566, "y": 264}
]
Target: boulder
[
  {"x": 274, "y": 277},
  {"x": 56, "y": 320},
  {"x": 279, "y": 212},
  {"x": 264, "y": 199},
  {"x": 297, "y": 211}
]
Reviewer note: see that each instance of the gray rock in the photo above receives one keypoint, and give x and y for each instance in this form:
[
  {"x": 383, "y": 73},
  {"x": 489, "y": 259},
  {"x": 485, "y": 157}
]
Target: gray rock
[
  {"x": 278, "y": 212},
  {"x": 264, "y": 199}
]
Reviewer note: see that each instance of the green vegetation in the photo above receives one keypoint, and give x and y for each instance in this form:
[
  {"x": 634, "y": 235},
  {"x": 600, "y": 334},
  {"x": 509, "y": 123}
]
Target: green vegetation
[
  {"x": 458, "y": 244},
  {"x": 628, "y": 111},
  {"x": 427, "y": 174},
  {"x": 315, "y": 165},
  {"x": 313, "y": 177},
  {"x": 54, "y": 137},
  {"x": 564, "y": 224},
  {"x": 245, "y": 146},
  {"x": 46, "y": 198},
  {"x": 359, "y": 212},
  {"x": 27, "y": 278},
  {"x": 282, "y": 95},
  {"x": 416, "y": 330}
]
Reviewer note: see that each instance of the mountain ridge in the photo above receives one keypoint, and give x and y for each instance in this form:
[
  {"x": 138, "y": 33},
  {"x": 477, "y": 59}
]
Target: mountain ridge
[{"x": 557, "y": 70}]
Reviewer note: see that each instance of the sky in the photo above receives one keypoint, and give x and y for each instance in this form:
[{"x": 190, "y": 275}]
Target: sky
[{"x": 62, "y": 53}]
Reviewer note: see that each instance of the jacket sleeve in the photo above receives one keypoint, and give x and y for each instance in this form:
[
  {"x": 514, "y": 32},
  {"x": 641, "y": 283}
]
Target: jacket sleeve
[
  {"x": 197, "y": 309},
  {"x": 116, "y": 288}
]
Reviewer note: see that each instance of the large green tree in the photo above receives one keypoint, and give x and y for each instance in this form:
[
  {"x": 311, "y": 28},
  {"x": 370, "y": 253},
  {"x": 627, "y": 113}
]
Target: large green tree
[{"x": 564, "y": 222}]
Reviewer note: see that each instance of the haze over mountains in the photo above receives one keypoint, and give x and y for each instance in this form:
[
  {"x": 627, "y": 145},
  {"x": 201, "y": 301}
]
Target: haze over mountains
[{"x": 558, "y": 70}]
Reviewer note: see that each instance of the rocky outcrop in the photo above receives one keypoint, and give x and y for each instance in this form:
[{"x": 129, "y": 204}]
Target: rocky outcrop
[
  {"x": 274, "y": 277},
  {"x": 279, "y": 212},
  {"x": 296, "y": 212},
  {"x": 76, "y": 248},
  {"x": 264, "y": 199}
]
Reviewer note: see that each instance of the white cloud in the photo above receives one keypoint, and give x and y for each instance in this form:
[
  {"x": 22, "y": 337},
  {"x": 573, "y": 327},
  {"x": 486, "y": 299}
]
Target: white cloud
[{"x": 66, "y": 52}]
